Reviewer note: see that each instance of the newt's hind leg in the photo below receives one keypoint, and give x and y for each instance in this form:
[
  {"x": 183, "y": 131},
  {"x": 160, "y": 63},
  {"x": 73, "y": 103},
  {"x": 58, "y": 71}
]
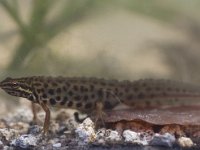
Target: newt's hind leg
[{"x": 99, "y": 113}]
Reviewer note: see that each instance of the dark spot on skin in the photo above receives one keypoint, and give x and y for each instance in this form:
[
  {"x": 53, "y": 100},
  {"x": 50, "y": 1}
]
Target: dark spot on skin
[
  {"x": 58, "y": 90},
  {"x": 164, "y": 93},
  {"x": 121, "y": 94},
  {"x": 77, "y": 98},
  {"x": 70, "y": 93},
  {"x": 37, "y": 84},
  {"x": 100, "y": 93},
  {"x": 148, "y": 89},
  {"x": 141, "y": 95},
  {"x": 85, "y": 89},
  {"x": 148, "y": 103},
  {"x": 130, "y": 97},
  {"x": 157, "y": 88},
  {"x": 116, "y": 90},
  {"x": 132, "y": 103},
  {"x": 107, "y": 105},
  {"x": 44, "y": 101},
  {"x": 70, "y": 104},
  {"x": 36, "y": 79},
  {"x": 58, "y": 98},
  {"x": 42, "y": 90},
  {"x": 152, "y": 95},
  {"x": 44, "y": 96},
  {"x": 135, "y": 89},
  {"x": 45, "y": 85},
  {"x": 64, "y": 101},
  {"x": 158, "y": 102},
  {"x": 92, "y": 96},
  {"x": 78, "y": 105},
  {"x": 51, "y": 91},
  {"x": 52, "y": 101},
  {"x": 81, "y": 88},
  {"x": 103, "y": 83},
  {"x": 169, "y": 89},
  {"x": 64, "y": 88},
  {"x": 38, "y": 90},
  {"x": 184, "y": 90},
  {"x": 91, "y": 87},
  {"x": 67, "y": 84},
  {"x": 144, "y": 84},
  {"x": 75, "y": 88},
  {"x": 88, "y": 106},
  {"x": 95, "y": 82},
  {"x": 54, "y": 84},
  {"x": 175, "y": 100},
  {"x": 177, "y": 90},
  {"x": 85, "y": 97},
  {"x": 111, "y": 84},
  {"x": 126, "y": 90},
  {"x": 60, "y": 81},
  {"x": 107, "y": 94}
]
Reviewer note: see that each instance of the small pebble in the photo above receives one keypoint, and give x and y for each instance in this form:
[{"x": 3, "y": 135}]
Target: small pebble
[
  {"x": 112, "y": 136},
  {"x": 130, "y": 136},
  {"x": 8, "y": 134},
  {"x": 86, "y": 131},
  {"x": 25, "y": 141},
  {"x": 166, "y": 139},
  {"x": 185, "y": 142},
  {"x": 34, "y": 129},
  {"x": 57, "y": 145}
]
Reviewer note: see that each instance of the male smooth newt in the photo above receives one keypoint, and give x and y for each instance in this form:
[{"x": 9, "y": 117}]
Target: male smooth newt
[{"x": 96, "y": 95}]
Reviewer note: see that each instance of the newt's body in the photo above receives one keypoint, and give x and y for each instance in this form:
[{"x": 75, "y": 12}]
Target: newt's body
[{"x": 91, "y": 94}]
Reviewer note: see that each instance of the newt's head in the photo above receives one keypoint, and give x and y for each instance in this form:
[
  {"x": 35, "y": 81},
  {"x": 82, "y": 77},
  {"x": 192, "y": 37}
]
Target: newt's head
[{"x": 20, "y": 87}]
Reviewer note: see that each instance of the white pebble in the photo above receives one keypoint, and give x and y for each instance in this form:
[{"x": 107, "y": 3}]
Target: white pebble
[
  {"x": 57, "y": 145},
  {"x": 130, "y": 136},
  {"x": 86, "y": 131},
  {"x": 185, "y": 142}
]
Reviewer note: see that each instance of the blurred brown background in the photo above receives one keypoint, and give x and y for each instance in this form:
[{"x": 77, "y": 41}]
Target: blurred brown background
[{"x": 121, "y": 39}]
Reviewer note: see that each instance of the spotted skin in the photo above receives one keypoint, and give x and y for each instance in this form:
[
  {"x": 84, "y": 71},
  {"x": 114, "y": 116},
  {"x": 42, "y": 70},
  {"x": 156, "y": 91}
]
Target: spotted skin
[{"x": 87, "y": 94}]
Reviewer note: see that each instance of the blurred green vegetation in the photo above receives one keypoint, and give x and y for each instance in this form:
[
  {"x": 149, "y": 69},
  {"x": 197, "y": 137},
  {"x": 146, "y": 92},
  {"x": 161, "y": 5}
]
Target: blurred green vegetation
[
  {"x": 43, "y": 24},
  {"x": 38, "y": 31}
]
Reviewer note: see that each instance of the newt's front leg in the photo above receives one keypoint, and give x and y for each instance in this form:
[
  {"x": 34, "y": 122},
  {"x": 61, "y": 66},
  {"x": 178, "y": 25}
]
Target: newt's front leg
[
  {"x": 100, "y": 114},
  {"x": 47, "y": 118},
  {"x": 33, "y": 107}
]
